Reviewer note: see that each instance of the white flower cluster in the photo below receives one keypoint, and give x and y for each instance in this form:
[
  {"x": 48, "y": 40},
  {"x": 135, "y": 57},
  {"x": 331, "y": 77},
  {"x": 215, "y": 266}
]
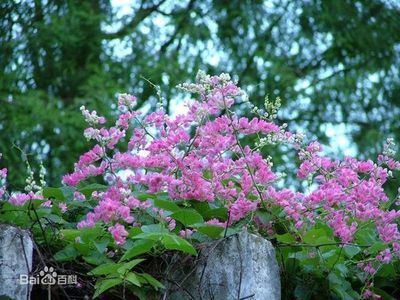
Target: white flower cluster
[
  {"x": 389, "y": 148},
  {"x": 31, "y": 185},
  {"x": 91, "y": 117},
  {"x": 269, "y": 139},
  {"x": 272, "y": 107},
  {"x": 205, "y": 83},
  {"x": 126, "y": 101},
  {"x": 270, "y": 110}
]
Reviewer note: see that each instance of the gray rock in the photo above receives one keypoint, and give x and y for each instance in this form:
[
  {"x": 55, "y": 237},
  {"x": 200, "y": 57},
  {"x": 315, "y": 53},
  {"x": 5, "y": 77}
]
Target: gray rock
[
  {"x": 16, "y": 249},
  {"x": 242, "y": 266}
]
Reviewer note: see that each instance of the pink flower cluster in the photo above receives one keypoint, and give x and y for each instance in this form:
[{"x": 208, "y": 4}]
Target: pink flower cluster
[
  {"x": 197, "y": 155},
  {"x": 21, "y": 198},
  {"x": 164, "y": 156},
  {"x": 350, "y": 193},
  {"x": 119, "y": 233}
]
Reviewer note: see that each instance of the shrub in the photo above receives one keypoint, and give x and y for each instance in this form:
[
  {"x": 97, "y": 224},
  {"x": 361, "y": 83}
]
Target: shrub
[{"x": 170, "y": 183}]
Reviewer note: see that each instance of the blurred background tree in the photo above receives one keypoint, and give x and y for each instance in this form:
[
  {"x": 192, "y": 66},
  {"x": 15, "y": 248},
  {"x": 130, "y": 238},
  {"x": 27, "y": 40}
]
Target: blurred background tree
[{"x": 335, "y": 64}]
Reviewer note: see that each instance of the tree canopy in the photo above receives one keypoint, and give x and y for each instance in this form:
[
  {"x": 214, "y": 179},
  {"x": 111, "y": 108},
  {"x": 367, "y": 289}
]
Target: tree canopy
[{"x": 335, "y": 64}]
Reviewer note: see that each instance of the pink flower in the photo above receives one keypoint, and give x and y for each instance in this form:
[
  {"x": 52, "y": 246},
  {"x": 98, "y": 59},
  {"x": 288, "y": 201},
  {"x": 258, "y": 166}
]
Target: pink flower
[
  {"x": 63, "y": 207},
  {"x": 185, "y": 233},
  {"x": 368, "y": 294},
  {"x": 19, "y": 199},
  {"x": 119, "y": 233},
  {"x": 368, "y": 268},
  {"x": 47, "y": 204},
  {"x": 3, "y": 173},
  {"x": 365, "y": 166},
  {"x": 241, "y": 208},
  {"x": 79, "y": 196},
  {"x": 171, "y": 223},
  {"x": 385, "y": 256},
  {"x": 216, "y": 222}
]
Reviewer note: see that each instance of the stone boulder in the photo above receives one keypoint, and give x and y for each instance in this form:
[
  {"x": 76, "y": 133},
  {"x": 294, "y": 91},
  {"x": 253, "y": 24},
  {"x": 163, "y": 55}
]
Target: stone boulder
[
  {"x": 16, "y": 249},
  {"x": 242, "y": 266}
]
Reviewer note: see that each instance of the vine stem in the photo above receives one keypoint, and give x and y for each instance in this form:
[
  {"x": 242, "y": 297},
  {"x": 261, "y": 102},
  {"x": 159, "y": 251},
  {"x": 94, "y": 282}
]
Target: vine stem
[
  {"x": 322, "y": 245},
  {"x": 235, "y": 133}
]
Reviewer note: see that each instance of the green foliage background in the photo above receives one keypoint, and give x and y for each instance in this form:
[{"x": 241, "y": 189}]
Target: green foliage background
[{"x": 334, "y": 63}]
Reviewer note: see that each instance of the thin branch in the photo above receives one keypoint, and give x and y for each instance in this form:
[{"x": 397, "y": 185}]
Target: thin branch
[
  {"x": 265, "y": 36},
  {"x": 181, "y": 24},
  {"x": 313, "y": 64},
  {"x": 281, "y": 244},
  {"x": 337, "y": 72},
  {"x": 140, "y": 15}
]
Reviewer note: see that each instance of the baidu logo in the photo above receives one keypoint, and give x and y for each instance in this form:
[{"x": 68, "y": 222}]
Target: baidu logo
[{"x": 48, "y": 276}]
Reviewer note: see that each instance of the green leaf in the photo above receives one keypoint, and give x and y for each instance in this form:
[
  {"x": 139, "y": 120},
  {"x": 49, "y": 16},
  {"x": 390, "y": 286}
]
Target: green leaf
[
  {"x": 312, "y": 236},
  {"x": 66, "y": 254},
  {"x": 146, "y": 196},
  {"x": 334, "y": 279},
  {"x": 330, "y": 253},
  {"x": 106, "y": 284},
  {"x": 308, "y": 262},
  {"x": 325, "y": 240},
  {"x": 94, "y": 258},
  {"x": 173, "y": 242},
  {"x": 168, "y": 205},
  {"x": 87, "y": 234},
  {"x": 68, "y": 192},
  {"x": 286, "y": 238},
  {"x": 232, "y": 230},
  {"x": 83, "y": 248},
  {"x": 154, "y": 228},
  {"x": 154, "y": 282},
  {"x": 140, "y": 247},
  {"x": 134, "y": 231},
  {"x": 264, "y": 216},
  {"x": 154, "y": 236},
  {"x": 341, "y": 287},
  {"x": 351, "y": 250},
  {"x": 342, "y": 293},
  {"x": 199, "y": 206},
  {"x": 383, "y": 294},
  {"x": 101, "y": 245},
  {"x": 90, "y": 188},
  {"x": 218, "y": 213},
  {"x": 302, "y": 291},
  {"x": 343, "y": 270},
  {"x": 129, "y": 265},
  {"x": 55, "y": 193},
  {"x": 321, "y": 225},
  {"x": 366, "y": 236},
  {"x": 36, "y": 203},
  {"x": 43, "y": 212},
  {"x": 105, "y": 269},
  {"x": 140, "y": 293},
  {"x": 213, "y": 231},
  {"x": 187, "y": 217},
  {"x": 56, "y": 219},
  {"x": 91, "y": 233},
  {"x": 387, "y": 271},
  {"x": 70, "y": 234},
  {"x": 132, "y": 278},
  {"x": 377, "y": 247}
]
